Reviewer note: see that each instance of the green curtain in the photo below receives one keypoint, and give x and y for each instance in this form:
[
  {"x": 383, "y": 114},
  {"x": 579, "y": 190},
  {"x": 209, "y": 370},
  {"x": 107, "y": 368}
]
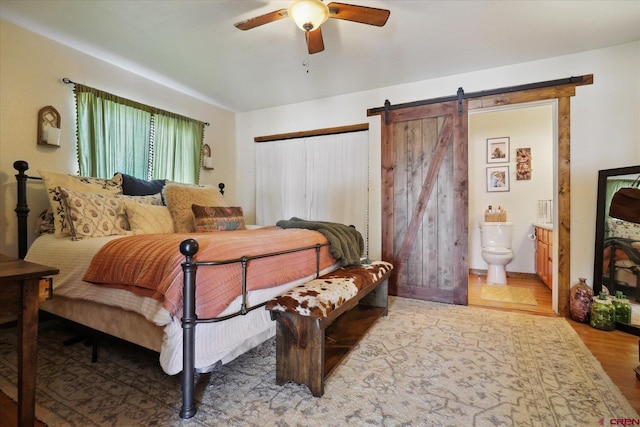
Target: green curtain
[
  {"x": 116, "y": 134},
  {"x": 177, "y": 148},
  {"x": 113, "y": 134}
]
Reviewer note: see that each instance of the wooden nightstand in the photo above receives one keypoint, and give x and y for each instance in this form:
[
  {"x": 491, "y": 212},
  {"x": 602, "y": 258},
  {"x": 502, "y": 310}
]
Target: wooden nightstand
[{"x": 19, "y": 295}]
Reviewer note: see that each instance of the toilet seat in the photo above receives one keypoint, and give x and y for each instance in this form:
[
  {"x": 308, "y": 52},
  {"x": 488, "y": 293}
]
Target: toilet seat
[{"x": 497, "y": 251}]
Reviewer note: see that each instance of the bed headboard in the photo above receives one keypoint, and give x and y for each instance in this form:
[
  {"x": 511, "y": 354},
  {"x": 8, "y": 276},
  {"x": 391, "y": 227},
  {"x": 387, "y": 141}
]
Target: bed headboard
[{"x": 22, "y": 207}]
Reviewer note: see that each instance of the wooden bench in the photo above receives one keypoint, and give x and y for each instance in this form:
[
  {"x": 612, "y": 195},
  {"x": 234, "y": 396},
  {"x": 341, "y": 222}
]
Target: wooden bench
[{"x": 319, "y": 322}]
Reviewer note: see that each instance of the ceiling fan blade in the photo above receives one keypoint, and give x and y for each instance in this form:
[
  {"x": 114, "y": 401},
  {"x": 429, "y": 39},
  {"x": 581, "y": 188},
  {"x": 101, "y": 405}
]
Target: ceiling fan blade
[
  {"x": 361, "y": 14},
  {"x": 315, "y": 43},
  {"x": 262, "y": 19}
]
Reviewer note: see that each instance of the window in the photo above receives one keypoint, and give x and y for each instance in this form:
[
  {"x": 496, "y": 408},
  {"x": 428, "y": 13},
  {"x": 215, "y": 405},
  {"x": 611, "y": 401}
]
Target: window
[{"x": 119, "y": 135}]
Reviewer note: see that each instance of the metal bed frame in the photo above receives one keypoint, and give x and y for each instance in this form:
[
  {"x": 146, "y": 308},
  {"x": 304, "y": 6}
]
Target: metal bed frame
[{"x": 188, "y": 248}]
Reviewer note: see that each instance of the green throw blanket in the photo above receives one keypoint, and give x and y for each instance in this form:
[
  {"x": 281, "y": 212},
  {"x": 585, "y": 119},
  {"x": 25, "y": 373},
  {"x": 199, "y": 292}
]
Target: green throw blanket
[{"x": 346, "y": 243}]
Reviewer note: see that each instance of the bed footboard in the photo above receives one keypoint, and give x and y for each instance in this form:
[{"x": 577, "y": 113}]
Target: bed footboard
[{"x": 189, "y": 248}]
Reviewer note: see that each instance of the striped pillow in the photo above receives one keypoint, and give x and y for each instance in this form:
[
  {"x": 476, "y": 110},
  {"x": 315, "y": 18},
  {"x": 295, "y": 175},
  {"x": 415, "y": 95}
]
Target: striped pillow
[{"x": 148, "y": 219}]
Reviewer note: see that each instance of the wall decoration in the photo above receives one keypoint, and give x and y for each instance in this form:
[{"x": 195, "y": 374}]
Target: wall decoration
[
  {"x": 497, "y": 178},
  {"x": 498, "y": 150},
  {"x": 207, "y": 160},
  {"x": 523, "y": 164},
  {"x": 49, "y": 126}
]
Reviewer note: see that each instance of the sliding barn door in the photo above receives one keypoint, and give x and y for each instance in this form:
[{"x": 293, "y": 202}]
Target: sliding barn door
[{"x": 424, "y": 212}]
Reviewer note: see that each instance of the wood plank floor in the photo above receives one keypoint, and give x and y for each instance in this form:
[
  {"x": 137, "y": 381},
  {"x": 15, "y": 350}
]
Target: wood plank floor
[
  {"x": 540, "y": 291},
  {"x": 616, "y": 351}
]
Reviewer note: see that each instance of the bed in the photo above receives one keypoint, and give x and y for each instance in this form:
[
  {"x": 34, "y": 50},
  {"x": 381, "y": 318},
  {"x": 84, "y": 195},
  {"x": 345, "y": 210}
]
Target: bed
[
  {"x": 152, "y": 312},
  {"x": 621, "y": 258}
]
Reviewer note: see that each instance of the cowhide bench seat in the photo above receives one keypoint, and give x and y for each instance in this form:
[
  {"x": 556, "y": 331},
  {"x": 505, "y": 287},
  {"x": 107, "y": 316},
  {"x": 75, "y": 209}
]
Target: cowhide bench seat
[{"x": 320, "y": 321}]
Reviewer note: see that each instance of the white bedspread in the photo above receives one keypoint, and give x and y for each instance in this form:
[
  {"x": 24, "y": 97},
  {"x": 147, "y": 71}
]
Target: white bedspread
[{"x": 72, "y": 258}]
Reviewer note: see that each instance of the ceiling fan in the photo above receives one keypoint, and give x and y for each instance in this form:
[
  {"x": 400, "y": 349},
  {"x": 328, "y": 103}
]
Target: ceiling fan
[{"x": 309, "y": 15}]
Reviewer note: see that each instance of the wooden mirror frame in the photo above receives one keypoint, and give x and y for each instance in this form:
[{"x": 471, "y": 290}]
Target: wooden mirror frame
[{"x": 603, "y": 175}]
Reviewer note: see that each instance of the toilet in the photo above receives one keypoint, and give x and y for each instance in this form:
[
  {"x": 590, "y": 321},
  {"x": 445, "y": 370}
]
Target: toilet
[{"x": 496, "y": 249}]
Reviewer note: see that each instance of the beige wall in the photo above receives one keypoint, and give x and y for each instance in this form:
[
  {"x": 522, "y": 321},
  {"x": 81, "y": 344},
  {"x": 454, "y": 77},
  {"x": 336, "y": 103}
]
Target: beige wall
[
  {"x": 605, "y": 127},
  {"x": 31, "y": 69}
]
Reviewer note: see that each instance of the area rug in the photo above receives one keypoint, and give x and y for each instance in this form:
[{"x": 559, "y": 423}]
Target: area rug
[
  {"x": 425, "y": 364},
  {"x": 504, "y": 293}
]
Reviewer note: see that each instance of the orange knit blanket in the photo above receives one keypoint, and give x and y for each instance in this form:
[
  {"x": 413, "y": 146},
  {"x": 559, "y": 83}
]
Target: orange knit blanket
[{"x": 150, "y": 265}]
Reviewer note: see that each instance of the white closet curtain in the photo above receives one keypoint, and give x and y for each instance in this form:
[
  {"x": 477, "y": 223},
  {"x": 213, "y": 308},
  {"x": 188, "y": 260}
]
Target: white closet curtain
[
  {"x": 280, "y": 181},
  {"x": 321, "y": 178}
]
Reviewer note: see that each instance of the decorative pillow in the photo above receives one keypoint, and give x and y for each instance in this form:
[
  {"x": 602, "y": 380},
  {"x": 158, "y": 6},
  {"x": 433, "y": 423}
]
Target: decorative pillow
[
  {"x": 97, "y": 215},
  {"x": 132, "y": 186},
  {"x": 623, "y": 229},
  {"x": 180, "y": 197},
  {"x": 45, "y": 223},
  {"x": 54, "y": 180},
  {"x": 148, "y": 219},
  {"x": 217, "y": 218}
]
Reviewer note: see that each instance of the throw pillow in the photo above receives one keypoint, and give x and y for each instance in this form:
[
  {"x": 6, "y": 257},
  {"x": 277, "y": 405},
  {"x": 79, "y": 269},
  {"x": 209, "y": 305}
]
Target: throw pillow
[
  {"x": 45, "y": 222},
  {"x": 98, "y": 215},
  {"x": 180, "y": 197},
  {"x": 217, "y": 218},
  {"x": 85, "y": 184},
  {"x": 148, "y": 219},
  {"x": 132, "y": 186}
]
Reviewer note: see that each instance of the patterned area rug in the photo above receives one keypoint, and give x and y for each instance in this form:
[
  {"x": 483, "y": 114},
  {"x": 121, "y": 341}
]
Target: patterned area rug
[
  {"x": 425, "y": 364},
  {"x": 504, "y": 293}
]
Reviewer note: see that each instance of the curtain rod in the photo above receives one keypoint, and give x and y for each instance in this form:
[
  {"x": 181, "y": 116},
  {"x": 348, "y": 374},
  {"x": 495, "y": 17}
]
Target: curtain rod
[{"x": 67, "y": 80}]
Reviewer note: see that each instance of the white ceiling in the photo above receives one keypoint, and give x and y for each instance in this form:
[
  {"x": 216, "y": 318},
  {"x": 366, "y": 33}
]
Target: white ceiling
[{"x": 194, "y": 47}]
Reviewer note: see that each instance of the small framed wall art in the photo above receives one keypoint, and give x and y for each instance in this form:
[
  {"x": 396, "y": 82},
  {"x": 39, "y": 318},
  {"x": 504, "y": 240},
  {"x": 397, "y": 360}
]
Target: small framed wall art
[
  {"x": 497, "y": 178},
  {"x": 523, "y": 164},
  {"x": 498, "y": 150}
]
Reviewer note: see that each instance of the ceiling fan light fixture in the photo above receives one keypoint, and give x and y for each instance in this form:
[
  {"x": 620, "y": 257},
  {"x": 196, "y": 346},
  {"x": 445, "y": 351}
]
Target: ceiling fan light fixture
[{"x": 308, "y": 14}]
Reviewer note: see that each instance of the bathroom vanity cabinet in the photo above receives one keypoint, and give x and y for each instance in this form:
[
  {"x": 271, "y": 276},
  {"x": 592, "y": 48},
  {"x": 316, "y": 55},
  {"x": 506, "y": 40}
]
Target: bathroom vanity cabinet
[{"x": 544, "y": 255}]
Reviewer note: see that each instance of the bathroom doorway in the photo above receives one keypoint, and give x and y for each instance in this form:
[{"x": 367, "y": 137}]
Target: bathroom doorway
[
  {"x": 560, "y": 92},
  {"x": 530, "y": 130}
]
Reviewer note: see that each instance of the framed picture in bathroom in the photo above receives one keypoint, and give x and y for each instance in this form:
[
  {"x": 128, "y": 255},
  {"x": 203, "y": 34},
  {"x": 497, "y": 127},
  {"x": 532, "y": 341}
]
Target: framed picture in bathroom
[
  {"x": 497, "y": 178},
  {"x": 498, "y": 150}
]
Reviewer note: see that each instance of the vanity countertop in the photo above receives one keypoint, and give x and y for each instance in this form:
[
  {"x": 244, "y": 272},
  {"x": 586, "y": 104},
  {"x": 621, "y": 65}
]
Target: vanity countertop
[{"x": 545, "y": 225}]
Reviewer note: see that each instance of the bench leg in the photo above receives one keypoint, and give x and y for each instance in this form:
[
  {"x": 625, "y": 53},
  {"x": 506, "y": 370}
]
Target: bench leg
[
  {"x": 378, "y": 297},
  {"x": 300, "y": 351}
]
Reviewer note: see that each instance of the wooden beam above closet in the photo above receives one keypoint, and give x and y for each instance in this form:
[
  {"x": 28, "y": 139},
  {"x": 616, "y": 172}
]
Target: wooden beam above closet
[{"x": 317, "y": 132}]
